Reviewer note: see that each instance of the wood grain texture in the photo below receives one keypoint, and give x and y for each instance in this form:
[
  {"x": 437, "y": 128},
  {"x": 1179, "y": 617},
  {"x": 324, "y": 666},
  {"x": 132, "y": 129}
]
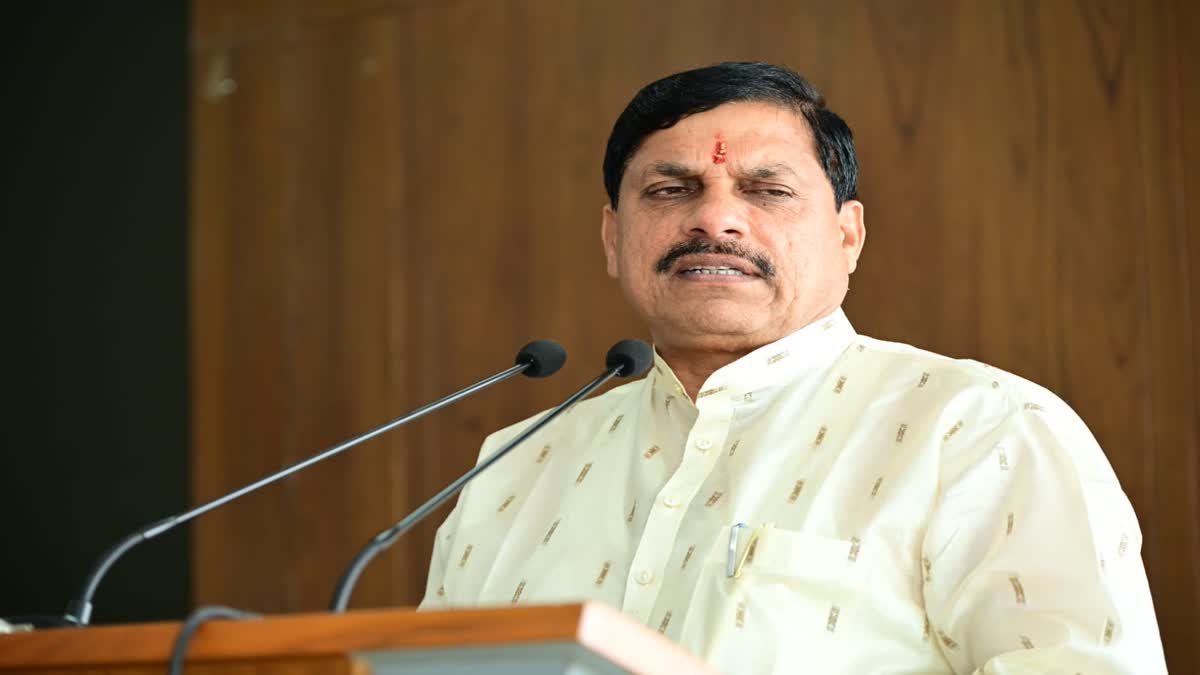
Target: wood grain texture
[
  {"x": 1174, "y": 397},
  {"x": 319, "y": 666},
  {"x": 323, "y": 643},
  {"x": 294, "y": 635},
  {"x": 398, "y": 195},
  {"x": 346, "y": 350},
  {"x": 242, "y": 171},
  {"x": 1177, "y": 328}
]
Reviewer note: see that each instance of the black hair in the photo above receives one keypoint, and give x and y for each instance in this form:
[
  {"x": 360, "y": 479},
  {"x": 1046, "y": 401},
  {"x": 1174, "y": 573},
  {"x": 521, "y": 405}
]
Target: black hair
[{"x": 661, "y": 104}]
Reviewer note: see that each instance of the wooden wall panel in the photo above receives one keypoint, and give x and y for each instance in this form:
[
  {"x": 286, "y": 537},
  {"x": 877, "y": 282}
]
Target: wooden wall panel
[
  {"x": 389, "y": 198},
  {"x": 1093, "y": 192},
  {"x": 346, "y": 350},
  {"x": 240, "y": 175},
  {"x": 1173, "y": 511},
  {"x": 1175, "y": 331}
]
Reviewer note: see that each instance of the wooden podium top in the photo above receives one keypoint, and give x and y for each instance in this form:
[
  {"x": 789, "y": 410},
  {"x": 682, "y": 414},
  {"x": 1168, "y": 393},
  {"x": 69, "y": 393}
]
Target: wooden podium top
[{"x": 597, "y": 628}]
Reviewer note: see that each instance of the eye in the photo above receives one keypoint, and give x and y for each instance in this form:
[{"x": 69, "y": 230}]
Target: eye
[
  {"x": 772, "y": 194},
  {"x": 768, "y": 190},
  {"x": 668, "y": 191}
]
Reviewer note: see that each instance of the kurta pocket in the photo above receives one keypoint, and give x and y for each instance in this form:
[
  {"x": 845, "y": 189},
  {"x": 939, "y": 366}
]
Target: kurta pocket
[{"x": 791, "y": 594}]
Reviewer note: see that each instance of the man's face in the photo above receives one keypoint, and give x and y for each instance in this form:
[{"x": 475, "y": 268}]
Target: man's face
[{"x": 726, "y": 236}]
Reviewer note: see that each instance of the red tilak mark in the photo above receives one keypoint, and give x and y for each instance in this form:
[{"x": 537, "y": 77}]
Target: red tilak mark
[{"x": 719, "y": 153}]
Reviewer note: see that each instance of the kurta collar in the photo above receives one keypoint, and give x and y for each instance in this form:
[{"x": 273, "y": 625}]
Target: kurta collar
[{"x": 806, "y": 352}]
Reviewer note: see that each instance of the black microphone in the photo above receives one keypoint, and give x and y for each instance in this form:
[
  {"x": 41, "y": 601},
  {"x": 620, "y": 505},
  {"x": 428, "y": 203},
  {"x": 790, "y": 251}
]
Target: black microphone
[
  {"x": 536, "y": 359},
  {"x": 627, "y": 358}
]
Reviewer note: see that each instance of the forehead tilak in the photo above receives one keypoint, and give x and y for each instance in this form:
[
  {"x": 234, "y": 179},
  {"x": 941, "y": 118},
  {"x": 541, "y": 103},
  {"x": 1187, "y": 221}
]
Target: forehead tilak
[{"x": 720, "y": 150}]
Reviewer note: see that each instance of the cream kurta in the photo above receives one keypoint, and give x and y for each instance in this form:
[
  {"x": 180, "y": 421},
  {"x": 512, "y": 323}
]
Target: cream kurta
[{"x": 904, "y": 513}]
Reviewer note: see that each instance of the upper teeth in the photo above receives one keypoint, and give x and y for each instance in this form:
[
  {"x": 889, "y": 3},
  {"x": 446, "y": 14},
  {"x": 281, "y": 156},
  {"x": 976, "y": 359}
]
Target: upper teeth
[{"x": 714, "y": 270}]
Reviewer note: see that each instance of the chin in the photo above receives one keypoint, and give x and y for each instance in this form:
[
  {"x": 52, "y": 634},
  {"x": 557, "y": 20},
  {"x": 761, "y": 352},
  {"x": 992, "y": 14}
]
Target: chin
[
  {"x": 710, "y": 323},
  {"x": 721, "y": 329}
]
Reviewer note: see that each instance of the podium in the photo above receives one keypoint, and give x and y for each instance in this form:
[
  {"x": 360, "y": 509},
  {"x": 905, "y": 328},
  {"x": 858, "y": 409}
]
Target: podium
[{"x": 579, "y": 639}]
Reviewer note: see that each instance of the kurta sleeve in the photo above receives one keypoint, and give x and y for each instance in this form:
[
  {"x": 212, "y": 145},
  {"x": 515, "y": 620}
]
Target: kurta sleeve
[
  {"x": 1033, "y": 555},
  {"x": 435, "y": 591}
]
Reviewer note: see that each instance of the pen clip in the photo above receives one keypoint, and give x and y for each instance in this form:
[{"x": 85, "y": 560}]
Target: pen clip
[
  {"x": 735, "y": 563},
  {"x": 731, "y": 560}
]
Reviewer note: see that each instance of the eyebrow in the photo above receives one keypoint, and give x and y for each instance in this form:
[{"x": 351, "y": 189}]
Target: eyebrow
[
  {"x": 772, "y": 171},
  {"x": 680, "y": 170},
  {"x": 670, "y": 170}
]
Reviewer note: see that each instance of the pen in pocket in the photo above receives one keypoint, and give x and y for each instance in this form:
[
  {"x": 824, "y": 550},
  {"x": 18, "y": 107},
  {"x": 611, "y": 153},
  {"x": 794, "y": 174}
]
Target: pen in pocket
[{"x": 734, "y": 563}]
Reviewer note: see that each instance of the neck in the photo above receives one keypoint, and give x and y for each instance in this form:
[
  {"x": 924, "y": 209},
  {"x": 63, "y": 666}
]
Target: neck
[
  {"x": 694, "y": 366},
  {"x": 694, "y": 360}
]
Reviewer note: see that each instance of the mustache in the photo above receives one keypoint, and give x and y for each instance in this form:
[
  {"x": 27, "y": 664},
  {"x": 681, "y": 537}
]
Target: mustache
[{"x": 697, "y": 246}]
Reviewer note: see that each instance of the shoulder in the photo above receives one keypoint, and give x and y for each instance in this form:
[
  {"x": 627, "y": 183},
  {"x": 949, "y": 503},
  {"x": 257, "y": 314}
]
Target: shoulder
[
  {"x": 998, "y": 401},
  {"x": 956, "y": 377}
]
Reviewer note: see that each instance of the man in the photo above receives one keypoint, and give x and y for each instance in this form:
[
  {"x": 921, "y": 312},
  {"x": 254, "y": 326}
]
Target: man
[{"x": 780, "y": 494}]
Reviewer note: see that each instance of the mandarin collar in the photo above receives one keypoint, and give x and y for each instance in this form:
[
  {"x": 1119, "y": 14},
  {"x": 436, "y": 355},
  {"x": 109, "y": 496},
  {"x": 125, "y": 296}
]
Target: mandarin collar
[{"x": 806, "y": 351}]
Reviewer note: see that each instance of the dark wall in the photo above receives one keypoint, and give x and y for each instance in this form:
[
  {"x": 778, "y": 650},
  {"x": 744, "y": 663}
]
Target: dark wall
[{"x": 96, "y": 424}]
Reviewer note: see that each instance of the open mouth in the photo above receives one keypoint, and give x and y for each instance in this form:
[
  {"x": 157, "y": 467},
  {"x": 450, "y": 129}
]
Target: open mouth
[
  {"x": 726, "y": 271},
  {"x": 705, "y": 260},
  {"x": 710, "y": 267}
]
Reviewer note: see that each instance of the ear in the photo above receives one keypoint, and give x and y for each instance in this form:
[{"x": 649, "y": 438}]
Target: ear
[
  {"x": 854, "y": 231},
  {"x": 608, "y": 236}
]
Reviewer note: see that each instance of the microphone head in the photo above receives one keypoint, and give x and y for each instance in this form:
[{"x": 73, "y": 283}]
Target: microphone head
[
  {"x": 633, "y": 357},
  {"x": 544, "y": 357}
]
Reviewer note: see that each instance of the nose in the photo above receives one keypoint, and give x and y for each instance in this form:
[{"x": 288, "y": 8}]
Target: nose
[{"x": 719, "y": 215}]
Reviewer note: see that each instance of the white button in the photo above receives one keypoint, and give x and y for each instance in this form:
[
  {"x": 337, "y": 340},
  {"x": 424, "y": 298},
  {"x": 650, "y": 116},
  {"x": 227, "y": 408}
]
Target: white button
[
  {"x": 671, "y": 502},
  {"x": 704, "y": 443},
  {"x": 644, "y": 577}
]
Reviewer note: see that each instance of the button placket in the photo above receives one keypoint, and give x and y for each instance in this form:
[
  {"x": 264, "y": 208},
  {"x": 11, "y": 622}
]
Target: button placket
[{"x": 662, "y": 525}]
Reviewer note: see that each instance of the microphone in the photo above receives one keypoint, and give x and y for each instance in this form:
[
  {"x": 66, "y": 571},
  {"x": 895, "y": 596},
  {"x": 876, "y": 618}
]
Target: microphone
[
  {"x": 627, "y": 358},
  {"x": 536, "y": 359}
]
